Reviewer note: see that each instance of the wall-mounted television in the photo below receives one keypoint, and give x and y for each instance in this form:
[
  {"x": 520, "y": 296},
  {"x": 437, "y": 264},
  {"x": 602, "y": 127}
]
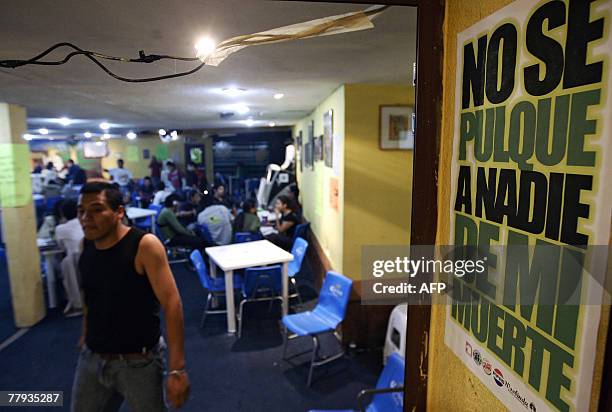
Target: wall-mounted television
[{"x": 95, "y": 150}]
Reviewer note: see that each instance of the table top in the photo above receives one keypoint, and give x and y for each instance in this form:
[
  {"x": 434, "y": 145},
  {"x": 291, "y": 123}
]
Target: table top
[
  {"x": 137, "y": 212},
  {"x": 248, "y": 254},
  {"x": 269, "y": 216}
]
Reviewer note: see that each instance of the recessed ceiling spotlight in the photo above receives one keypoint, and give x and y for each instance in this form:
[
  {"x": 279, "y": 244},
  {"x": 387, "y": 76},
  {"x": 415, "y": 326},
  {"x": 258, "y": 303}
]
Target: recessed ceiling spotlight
[
  {"x": 131, "y": 135},
  {"x": 204, "y": 47},
  {"x": 28, "y": 136},
  {"x": 162, "y": 132},
  {"x": 242, "y": 108},
  {"x": 272, "y": 124},
  {"x": 64, "y": 121},
  {"x": 279, "y": 96},
  {"x": 87, "y": 135},
  {"x": 104, "y": 126},
  {"x": 233, "y": 91},
  {"x": 43, "y": 131}
]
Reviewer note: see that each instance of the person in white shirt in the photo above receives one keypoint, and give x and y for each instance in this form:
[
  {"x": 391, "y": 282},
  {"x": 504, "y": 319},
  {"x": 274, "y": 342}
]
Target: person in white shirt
[
  {"x": 49, "y": 174},
  {"x": 69, "y": 236},
  {"x": 218, "y": 219},
  {"x": 161, "y": 194},
  {"x": 121, "y": 175}
]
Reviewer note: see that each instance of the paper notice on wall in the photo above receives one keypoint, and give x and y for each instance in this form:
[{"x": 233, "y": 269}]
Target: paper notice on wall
[
  {"x": 161, "y": 151},
  {"x": 337, "y": 154},
  {"x": 333, "y": 193},
  {"x": 132, "y": 154},
  {"x": 15, "y": 182}
]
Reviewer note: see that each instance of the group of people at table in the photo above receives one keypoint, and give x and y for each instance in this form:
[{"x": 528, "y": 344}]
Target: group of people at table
[{"x": 191, "y": 217}]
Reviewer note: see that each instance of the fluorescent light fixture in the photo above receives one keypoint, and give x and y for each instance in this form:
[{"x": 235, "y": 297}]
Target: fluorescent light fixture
[
  {"x": 249, "y": 122},
  {"x": 272, "y": 124},
  {"x": 242, "y": 108},
  {"x": 162, "y": 132},
  {"x": 204, "y": 47},
  {"x": 233, "y": 91},
  {"x": 64, "y": 121},
  {"x": 279, "y": 96},
  {"x": 87, "y": 135},
  {"x": 104, "y": 126},
  {"x": 106, "y": 136},
  {"x": 131, "y": 135},
  {"x": 43, "y": 131},
  {"x": 28, "y": 136}
]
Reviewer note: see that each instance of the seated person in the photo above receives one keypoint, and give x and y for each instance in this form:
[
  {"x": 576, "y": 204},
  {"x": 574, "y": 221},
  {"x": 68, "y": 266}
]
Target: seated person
[
  {"x": 161, "y": 193},
  {"x": 188, "y": 211},
  {"x": 286, "y": 222},
  {"x": 247, "y": 220},
  {"x": 146, "y": 192},
  {"x": 218, "y": 219},
  {"x": 50, "y": 222},
  {"x": 174, "y": 233},
  {"x": 220, "y": 196},
  {"x": 69, "y": 236}
]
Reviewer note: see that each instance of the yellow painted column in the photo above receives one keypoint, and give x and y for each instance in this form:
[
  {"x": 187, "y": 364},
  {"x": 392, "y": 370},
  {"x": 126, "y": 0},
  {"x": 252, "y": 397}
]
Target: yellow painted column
[{"x": 19, "y": 218}]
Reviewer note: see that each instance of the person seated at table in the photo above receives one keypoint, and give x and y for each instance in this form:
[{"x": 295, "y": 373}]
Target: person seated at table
[
  {"x": 50, "y": 222},
  {"x": 49, "y": 174},
  {"x": 75, "y": 175},
  {"x": 173, "y": 232},
  {"x": 247, "y": 220},
  {"x": 161, "y": 193},
  {"x": 220, "y": 196},
  {"x": 38, "y": 166},
  {"x": 121, "y": 176},
  {"x": 218, "y": 220},
  {"x": 286, "y": 222},
  {"x": 188, "y": 210},
  {"x": 146, "y": 191},
  {"x": 69, "y": 236}
]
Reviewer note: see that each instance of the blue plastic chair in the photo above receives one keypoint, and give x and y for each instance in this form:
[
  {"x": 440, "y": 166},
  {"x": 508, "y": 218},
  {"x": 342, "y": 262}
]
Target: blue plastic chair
[
  {"x": 388, "y": 395},
  {"x": 298, "y": 251},
  {"x": 145, "y": 222},
  {"x": 300, "y": 231},
  {"x": 242, "y": 237},
  {"x": 215, "y": 287},
  {"x": 263, "y": 283},
  {"x": 50, "y": 203},
  {"x": 325, "y": 317},
  {"x": 206, "y": 233}
]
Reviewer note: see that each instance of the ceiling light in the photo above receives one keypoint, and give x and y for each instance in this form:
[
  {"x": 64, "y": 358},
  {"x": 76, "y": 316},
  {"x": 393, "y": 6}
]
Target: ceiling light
[
  {"x": 249, "y": 122},
  {"x": 279, "y": 96},
  {"x": 162, "y": 132},
  {"x": 242, "y": 108},
  {"x": 104, "y": 126},
  {"x": 28, "y": 136},
  {"x": 204, "y": 47},
  {"x": 233, "y": 91},
  {"x": 131, "y": 135},
  {"x": 271, "y": 124},
  {"x": 43, "y": 131},
  {"x": 106, "y": 136},
  {"x": 87, "y": 135},
  {"x": 64, "y": 121},
  {"x": 174, "y": 135},
  {"x": 99, "y": 143}
]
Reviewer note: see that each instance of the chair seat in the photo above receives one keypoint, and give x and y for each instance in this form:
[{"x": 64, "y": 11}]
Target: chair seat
[
  {"x": 218, "y": 283},
  {"x": 307, "y": 323}
]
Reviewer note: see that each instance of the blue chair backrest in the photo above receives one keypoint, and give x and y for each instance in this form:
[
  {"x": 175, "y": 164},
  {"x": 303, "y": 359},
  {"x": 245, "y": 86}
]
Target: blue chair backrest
[
  {"x": 50, "y": 203},
  {"x": 392, "y": 376},
  {"x": 206, "y": 233},
  {"x": 334, "y": 297},
  {"x": 200, "y": 265},
  {"x": 242, "y": 237},
  {"x": 264, "y": 278},
  {"x": 300, "y": 231},
  {"x": 157, "y": 208},
  {"x": 298, "y": 251}
]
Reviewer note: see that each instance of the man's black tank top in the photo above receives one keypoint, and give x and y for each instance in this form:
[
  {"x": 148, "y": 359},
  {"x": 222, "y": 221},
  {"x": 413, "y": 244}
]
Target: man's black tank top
[{"x": 122, "y": 310}]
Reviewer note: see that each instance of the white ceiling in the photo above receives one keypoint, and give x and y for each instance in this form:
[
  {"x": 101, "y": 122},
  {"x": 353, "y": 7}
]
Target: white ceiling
[{"x": 306, "y": 71}]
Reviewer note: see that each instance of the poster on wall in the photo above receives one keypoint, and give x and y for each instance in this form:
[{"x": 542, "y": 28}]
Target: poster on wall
[
  {"x": 318, "y": 148},
  {"x": 532, "y": 149},
  {"x": 328, "y": 140}
]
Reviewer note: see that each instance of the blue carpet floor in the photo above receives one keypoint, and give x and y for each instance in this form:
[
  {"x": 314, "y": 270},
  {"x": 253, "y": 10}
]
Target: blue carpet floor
[{"x": 226, "y": 374}]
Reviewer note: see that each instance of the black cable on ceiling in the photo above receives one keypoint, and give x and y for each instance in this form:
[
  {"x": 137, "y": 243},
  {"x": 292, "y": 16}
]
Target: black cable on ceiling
[{"x": 94, "y": 57}]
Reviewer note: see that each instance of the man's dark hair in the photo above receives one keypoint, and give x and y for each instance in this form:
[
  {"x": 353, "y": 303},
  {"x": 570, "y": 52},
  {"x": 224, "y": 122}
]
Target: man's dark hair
[
  {"x": 286, "y": 200},
  {"x": 247, "y": 205},
  {"x": 114, "y": 197},
  {"x": 69, "y": 209},
  {"x": 169, "y": 201},
  {"x": 160, "y": 186}
]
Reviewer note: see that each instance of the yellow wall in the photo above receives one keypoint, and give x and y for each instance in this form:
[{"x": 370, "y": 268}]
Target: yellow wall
[
  {"x": 325, "y": 222},
  {"x": 119, "y": 149},
  {"x": 377, "y": 183},
  {"x": 450, "y": 385}
]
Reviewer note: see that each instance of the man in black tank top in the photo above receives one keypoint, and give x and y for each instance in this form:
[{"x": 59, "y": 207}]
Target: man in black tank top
[{"x": 125, "y": 279}]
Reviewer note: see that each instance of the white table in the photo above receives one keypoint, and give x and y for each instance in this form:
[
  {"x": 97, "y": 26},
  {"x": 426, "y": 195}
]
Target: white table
[
  {"x": 267, "y": 215},
  {"x": 245, "y": 255},
  {"x": 139, "y": 213},
  {"x": 48, "y": 250}
]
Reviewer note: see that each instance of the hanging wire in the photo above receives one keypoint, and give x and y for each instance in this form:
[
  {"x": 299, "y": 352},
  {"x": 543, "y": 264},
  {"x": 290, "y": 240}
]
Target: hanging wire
[{"x": 94, "y": 57}]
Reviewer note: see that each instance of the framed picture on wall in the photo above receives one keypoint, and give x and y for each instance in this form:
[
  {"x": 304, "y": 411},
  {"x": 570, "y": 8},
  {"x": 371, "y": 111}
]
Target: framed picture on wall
[
  {"x": 299, "y": 151},
  {"x": 318, "y": 148},
  {"x": 328, "y": 133},
  {"x": 311, "y": 145},
  {"x": 396, "y": 132}
]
